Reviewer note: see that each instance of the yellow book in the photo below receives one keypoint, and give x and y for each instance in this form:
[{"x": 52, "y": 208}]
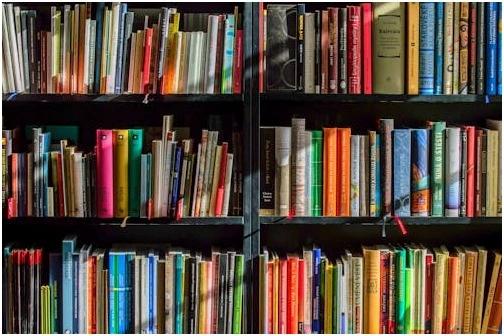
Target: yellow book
[
  {"x": 413, "y": 46},
  {"x": 492, "y": 172},
  {"x": 173, "y": 28},
  {"x": 202, "y": 295},
  {"x": 276, "y": 289},
  {"x": 328, "y": 304},
  {"x": 371, "y": 290},
  {"x": 440, "y": 290},
  {"x": 469, "y": 289},
  {"x": 120, "y": 140},
  {"x": 480, "y": 289},
  {"x": 496, "y": 265}
]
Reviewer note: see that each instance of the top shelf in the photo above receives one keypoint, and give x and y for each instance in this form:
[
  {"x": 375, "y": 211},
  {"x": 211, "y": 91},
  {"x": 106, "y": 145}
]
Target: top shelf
[
  {"x": 122, "y": 98},
  {"x": 375, "y": 98}
]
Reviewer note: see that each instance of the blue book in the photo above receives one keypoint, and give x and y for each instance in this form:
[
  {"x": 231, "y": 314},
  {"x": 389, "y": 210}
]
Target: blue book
[
  {"x": 491, "y": 48},
  {"x": 153, "y": 279},
  {"x": 401, "y": 171},
  {"x": 420, "y": 178},
  {"x": 75, "y": 292},
  {"x": 68, "y": 248},
  {"x": 316, "y": 292},
  {"x": 151, "y": 292},
  {"x": 378, "y": 179},
  {"x": 120, "y": 47},
  {"x": 438, "y": 49},
  {"x": 499, "y": 48},
  {"x": 112, "y": 293},
  {"x": 130, "y": 281},
  {"x": 122, "y": 290},
  {"x": 426, "y": 57},
  {"x": 176, "y": 180},
  {"x": 179, "y": 303},
  {"x": 55, "y": 278},
  {"x": 100, "y": 6},
  {"x": 227, "y": 63}
]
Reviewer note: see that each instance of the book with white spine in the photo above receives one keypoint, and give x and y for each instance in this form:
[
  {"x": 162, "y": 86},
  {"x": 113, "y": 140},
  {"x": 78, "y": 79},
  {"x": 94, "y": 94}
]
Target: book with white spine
[
  {"x": 211, "y": 53},
  {"x": 227, "y": 190},
  {"x": 452, "y": 172}
]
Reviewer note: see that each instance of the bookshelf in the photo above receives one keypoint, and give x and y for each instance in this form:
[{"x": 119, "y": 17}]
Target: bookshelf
[{"x": 251, "y": 110}]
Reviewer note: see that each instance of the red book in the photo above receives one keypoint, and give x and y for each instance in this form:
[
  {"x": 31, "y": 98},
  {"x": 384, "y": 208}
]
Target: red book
[
  {"x": 333, "y": 50},
  {"x": 219, "y": 199},
  {"x": 269, "y": 276},
  {"x": 354, "y": 49},
  {"x": 384, "y": 289},
  {"x": 237, "y": 62},
  {"x": 147, "y": 59},
  {"x": 104, "y": 174},
  {"x": 61, "y": 193},
  {"x": 471, "y": 144},
  {"x": 292, "y": 292},
  {"x": 43, "y": 62},
  {"x": 429, "y": 278},
  {"x": 478, "y": 175},
  {"x": 495, "y": 319},
  {"x": 261, "y": 46},
  {"x": 324, "y": 50},
  {"x": 91, "y": 295},
  {"x": 282, "y": 300},
  {"x": 367, "y": 49},
  {"x": 15, "y": 183},
  {"x": 301, "y": 296}
]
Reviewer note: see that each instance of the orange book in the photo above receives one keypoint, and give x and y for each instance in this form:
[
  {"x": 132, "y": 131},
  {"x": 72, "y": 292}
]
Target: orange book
[
  {"x": 453, "y": 290},
  {"x": 343, "y": 154},
  {"x": 330, "y": 172},
  {"x": 282, "y": 300},
  {"x": 301, "y": 296},
  {"x": 496, "y": 312},
  {"x": 292, "y": 292},
  {"x": 371, "y": 290}
]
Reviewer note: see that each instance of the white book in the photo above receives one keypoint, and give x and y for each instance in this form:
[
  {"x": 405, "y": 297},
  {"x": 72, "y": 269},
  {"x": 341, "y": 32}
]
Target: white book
[
  {"x": 357, "y": 274},
  {"x": 87, "y": 33},
  {"x": 308, "y": 172},
  {"x": 208, "y": 173},
  {"x": 50, "y": 202},
  {"x": 92, "y": 51},
  {"x": 202, "y": 47},
  {"x": 195, "y": 182},
  {"x": 7, "y": 56},
  {"x": 211, "y": 53},
  {"x": 452, "y": 172},
  {"x": 298, "y": 166},
  {"x": 308, "y": 277},
  {"x": 114, "y": 35},
  {"x": 19, "y": 40},
  {"x": 192, "y": 66},
  {"x": 13, "y": 47},
  {"x": 227, "y": 189},
  {"x": 78, "y": 185},
  {"x": 344, "y": 295},
  {"x": 282, "y": 170},
  {"x": 354, "y": 175}
]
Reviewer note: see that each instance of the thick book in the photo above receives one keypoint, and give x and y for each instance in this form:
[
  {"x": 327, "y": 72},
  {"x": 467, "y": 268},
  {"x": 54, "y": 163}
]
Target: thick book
[
  {"x": 104, "y": 176},
  {"x": 68, "y": 248},
  {"x": 330, "y": 171},
  {"x": 427, "y": 48},
  {"x": 452, "y": 172},
  {"x": 317, "y": 171},
  {"x": 413, "y": 21},
  {"x": 388, "y": 48},
  {"x": 134, "y": 171},
  {"x": 324, "y": 52},
  {"x": 437, "y": 168},
  {"x": 420, "y": 169},
  {"x": 298, "y": 167},
  {"x": 121, "y": 190},
  {"x": 354, "y": 175},
  {"x": 371, "y": 290},
  {"x": 491, "y": 48},
  {"x": 309, "y": 53},
  {"x": 402, "y": 171}
]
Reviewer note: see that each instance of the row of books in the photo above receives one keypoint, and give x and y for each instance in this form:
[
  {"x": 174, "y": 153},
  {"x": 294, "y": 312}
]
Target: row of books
[
  {"x": 439, "y": 170},
  {"x": 382, "y": 289},
  {"x": 94, "y": 48},
  {"x": 177, "y": 178},
  {"x": 89, "y": 290},
  {"x": 382, "y": 48}
]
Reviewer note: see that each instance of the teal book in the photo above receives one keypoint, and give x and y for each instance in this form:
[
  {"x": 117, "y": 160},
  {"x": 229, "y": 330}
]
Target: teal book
[
  {"x": 113, "y": 294},
  {"x": 134, "y": 170},
  {"x": 67, "y": 252},
  {"x": 227, "y": 63},
  {"x": 179, "y": 293},
  {"x": 400, "y": 256},
  {"x": 316, "y": 162},
  {"x": 238, "y": 294},
  {"x": 437, "y": 170}
]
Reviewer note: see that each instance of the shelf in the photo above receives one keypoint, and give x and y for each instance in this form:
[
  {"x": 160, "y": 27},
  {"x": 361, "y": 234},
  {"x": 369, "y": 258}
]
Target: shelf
[
  {"x": 373, "y": 221},
  {"x": 74, "y": 221},
  {"x": 122, "y": 98},
  {"x": 295, "y": 97}
]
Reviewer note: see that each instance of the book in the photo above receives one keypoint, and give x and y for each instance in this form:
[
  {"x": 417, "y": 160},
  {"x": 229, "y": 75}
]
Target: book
[
  {"x": 282, "y": 169},
  {"x": 354, "y": 40},
  {"x": 452, "y": 172},
  {"x": 413, "y": 20},
  {"x": 491, "y": 48},
  {"x": 104, "y": 162},
  {"x": 420, "y": 179},
  {"x": 427, "y": 41}
]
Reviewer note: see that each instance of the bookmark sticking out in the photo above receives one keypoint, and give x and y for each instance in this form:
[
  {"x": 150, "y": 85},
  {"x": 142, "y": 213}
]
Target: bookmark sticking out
[
  {"x": 123, "y": 223},
  {"x": 291, "y": 213},
  {"x": 146, "y": 99},
  {"x": 401, "y": 225}
]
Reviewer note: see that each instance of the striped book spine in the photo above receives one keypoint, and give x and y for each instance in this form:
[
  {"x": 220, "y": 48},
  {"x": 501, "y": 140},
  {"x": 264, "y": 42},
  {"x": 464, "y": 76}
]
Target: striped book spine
[{"x": 316, "y": 184}]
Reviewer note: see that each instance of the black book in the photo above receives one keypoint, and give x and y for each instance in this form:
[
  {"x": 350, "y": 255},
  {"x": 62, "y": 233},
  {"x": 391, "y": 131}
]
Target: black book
[
  {"x": 221, "y": 321},
  {"x": 342, "y": 54},
  {"x": 192, "y": 300},
  {"x": 318, "y": 61},
  {"x": 188, "y": 277},
  {"x": 281, "y": 61},
  {"x": 267, "y": 169},
  {"x": 480, "y": 54},
  {"x": 300, "y": 41},
  {"x": 33, "y": 51}
]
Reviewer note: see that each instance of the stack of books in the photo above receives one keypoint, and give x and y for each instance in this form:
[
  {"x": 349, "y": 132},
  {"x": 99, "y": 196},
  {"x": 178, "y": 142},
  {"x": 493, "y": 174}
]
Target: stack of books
[
  {"x": 382, "y": 290},
  {"x": 121, "y": 290},
  {"x": 94, "y": 48},
  {"x": 176, "y": 178},
  {"x": 382, "y": 48},
  {"x": 438, "y": 170}
]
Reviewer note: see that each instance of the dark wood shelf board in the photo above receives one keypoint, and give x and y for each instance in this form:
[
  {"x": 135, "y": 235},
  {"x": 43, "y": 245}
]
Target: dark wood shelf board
[
  {"x": 379, "y": 221},
  {"x": 375, "y": 98},
  {"x": 122, "y": 98}
]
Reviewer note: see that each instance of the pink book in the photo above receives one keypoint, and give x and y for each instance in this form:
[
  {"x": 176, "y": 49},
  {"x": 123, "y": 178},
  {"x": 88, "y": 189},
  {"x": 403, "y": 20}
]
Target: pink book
[
  {"x": 219, "y": 200},
  {"x": 104, "y": 174},
  {"x": 282, "y": 318},
  {"x": 367, "y": 51}
]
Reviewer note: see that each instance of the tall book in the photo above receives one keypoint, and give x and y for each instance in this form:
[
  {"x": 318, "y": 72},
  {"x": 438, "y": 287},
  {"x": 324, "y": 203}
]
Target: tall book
[
  {"x": 367, "y": 41},
  {"x": 438, "y": 48},
  {"x": 437, "y": 168},
  {"x": 105, "y": 173},
  {"x": 354, "y": 58},
  {"x": 134, "y": 169},
  {"x": 282, "y": 170},
  {"x": 354, "y": 175},
  {"x": 491, "y": 48},
  {"x": 386, "y": 127},
  {"x": 343, "y": 171},
  {"x": 427, "y": 43},
  {"x": 330, "y": 170},
  {"x": 268, "y": 164},
  {"x": 402, "y": 171},
  {"x": 413, "y": 9},
  {"x": 456, "y": 47},
  {"x": 317, "y": 171},
  {"x": 388, "y": 48},
  {"x": 342, "y": 52},
  {"x": 121, "y": 190},
  {"x": 68, "y": 248},
  {"x": 298, "y": 163},
  {"x": 463, "y": 79},
  {"x": 371, "y": 290}
]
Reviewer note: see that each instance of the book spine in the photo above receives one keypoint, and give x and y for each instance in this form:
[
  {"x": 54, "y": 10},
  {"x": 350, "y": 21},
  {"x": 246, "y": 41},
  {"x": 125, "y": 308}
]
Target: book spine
[
  {"x": 495, "y": 319},
  {"x": 282, "y": 170},
  {"x": 437, "y": 159},
  {"x": 484, "y": 172},
  {"x": 420, "y": 179},
  {"x": 448, "y": 49},
  {"x": 354, "y": 175},
  {"x": 261, "y": 65},
  {"x": 330, "y": 178},
  {"x": 309, "y": 53},
  {"x": 386, "y": 127},
  {"x": 238, "y": 294},
  {"x": 413, "y": 46},
  {"x": 354, "y": 49},
  {"x": 267, "y": 200},
  {"x": 298, "y": 167},
  {"x": 463, "y": 172},
  {"x": 333, "y": 50},
  {"x": 292, "y": 299},
  {"x": 499, "y": 48},
  {"x": 120, "y": 167},
  {"x": 456, "y": 47},
  {"x": 402, "y": 159},
  {"x": 438, "y": 48},
  {"x": 491, "y": 48},
  {"x": 364, "y": 176},
  {"x": 134, "y": 171},
  {"x": 318, "y": 52},
  {"x": 300, "y": 46},
  {"x": 67, "y": 285},
  {"x": 427, "y": 46},
  {"x": 481, "y": 49},
  {"x": 104, "y": 163},
  {"x": 473, "y": 30},
  {"x": 343, "y": 169},
  {"x": 227, "y": 63},
  {"x": 372, "y": 174},
  {"x": 464, "y": 48},
  {"x": 367, "y": 45},
  {"x": 342, "y": 53},
  {"x": 176, "y": 180},
  {"x": 316, "y": 183},
  {"x": 372, "y": 291},
  {"x": 324, "y": 53},
  {"x": 237, "y": 62},
  {"x": 146, "y": 88},
  {"x": 315, "y": 323},
  {"x": 120, "y": 47},
  {"x": 452, "y": 172}
]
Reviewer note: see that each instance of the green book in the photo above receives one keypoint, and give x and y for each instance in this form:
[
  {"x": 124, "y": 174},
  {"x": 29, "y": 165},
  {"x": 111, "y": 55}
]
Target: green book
[
  {"x": 437, "y": 159},
  {"x": 400, "y": 256},
  {"x": 336, "y": 307},
  {"x": 408, "y": 323},
  {"x": 316, "y": 168},
  {"x": 238, "y": 295},
  {"x": 134, "y": 170},
  {"x": 179, "y": 292}
]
